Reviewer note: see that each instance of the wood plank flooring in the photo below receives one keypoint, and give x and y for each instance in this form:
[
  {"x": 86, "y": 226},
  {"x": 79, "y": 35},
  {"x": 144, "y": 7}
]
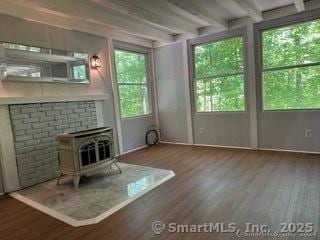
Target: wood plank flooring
[{"x": 211, "y": 186}]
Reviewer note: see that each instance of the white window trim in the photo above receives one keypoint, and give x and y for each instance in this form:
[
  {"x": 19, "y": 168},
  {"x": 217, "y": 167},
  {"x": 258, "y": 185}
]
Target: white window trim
[
  {"x": 274, "y": 24},
  {"x": 122, "y": 46},
  {"x": 239, "y": 32}
]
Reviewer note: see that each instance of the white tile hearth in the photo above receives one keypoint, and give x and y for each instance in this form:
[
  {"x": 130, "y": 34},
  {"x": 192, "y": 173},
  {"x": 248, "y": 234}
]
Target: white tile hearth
[{"x": 98, "y": 196}]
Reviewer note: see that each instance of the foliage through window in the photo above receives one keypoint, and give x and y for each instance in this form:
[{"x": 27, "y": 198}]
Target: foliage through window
[
  {"x": 131, "y": 71},
  {"x": 219, "y": 76},
  {"x": 291, "y": 67},
  {"x": 79, "y": 72}
]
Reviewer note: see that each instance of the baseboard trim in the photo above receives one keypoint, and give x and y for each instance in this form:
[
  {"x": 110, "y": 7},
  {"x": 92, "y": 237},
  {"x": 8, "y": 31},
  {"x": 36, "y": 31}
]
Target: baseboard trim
[
  {"x": 245, "y": 148},
  {"x": 132, "y": 150},
  {"x": 288, "y": 150},
  {"x": 176, "y": 143},
  {"x": 205, "y": 145},
  {"x": 222, "y": 146}
]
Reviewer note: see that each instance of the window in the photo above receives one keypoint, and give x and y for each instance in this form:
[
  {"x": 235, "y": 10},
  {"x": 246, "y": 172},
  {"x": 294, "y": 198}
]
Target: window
[
  {"x": 79, "y": 72},
  {"x": 21, "y": 47},
  {"x": 291, "y": 67},
  {"x": 133, "y": 87},
  {"x": 20, "y": 62},
  {"x": 78, "y": 67},
  {"x": 219, "y": 76}
]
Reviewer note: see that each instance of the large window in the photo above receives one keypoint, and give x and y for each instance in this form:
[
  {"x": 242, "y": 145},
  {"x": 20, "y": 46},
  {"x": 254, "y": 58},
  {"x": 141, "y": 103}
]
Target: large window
[
  {"x": 291, "y": 67},
  {"x": 219, "y": 76},
  {"x": 132, "y": 79}
]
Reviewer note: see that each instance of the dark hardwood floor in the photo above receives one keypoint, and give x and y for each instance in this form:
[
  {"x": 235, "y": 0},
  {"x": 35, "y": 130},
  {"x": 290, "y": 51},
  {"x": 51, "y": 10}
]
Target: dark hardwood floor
[{"x": 211, "y": 186}]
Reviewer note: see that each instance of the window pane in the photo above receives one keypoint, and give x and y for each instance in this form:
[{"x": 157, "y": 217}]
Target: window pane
[
  {"x": 31, "y": 69},
  {"x": 79, "y": 72},
  {"x": 297, "y": 88},
  {"x": 219, "y": 58},
  {"x": 21, "y": 47},
  {"x": 35, "y": 49},
  {"x": 23, "y": 62},
  {"x": 220, "y": 94},
  {"x": 80, "y": 55},
  {"x": 134, "y": 100},
  {"x": 133, "y": 89},
  {"x": 130, "y": 67},
  {"x": 292, "y": 45}
]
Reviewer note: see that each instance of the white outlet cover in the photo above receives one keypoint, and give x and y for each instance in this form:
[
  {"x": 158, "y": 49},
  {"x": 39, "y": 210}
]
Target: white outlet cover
[{"x": 308, "y": 133}]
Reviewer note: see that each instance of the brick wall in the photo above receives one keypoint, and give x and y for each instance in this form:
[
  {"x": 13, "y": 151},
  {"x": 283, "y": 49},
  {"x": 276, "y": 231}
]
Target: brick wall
[{"x": 35, "y": 127}]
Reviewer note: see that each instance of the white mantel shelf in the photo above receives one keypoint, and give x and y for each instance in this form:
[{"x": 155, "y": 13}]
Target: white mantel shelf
[{"x": 42, "y": 99}]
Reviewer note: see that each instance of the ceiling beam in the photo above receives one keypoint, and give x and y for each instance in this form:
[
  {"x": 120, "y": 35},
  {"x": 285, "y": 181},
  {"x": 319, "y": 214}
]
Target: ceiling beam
[
  {"x": 181, "y": 12},
  {"x": 150, "y": 12},
  {"x": 95, "y": 15},
  {"x": 250, "y": 8},
  {"x": 299, "y": 4},
  {"x": 192, "y": 9}
]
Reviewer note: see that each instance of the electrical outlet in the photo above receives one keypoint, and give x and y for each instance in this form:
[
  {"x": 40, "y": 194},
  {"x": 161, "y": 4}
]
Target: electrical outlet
[
  {"x": 308, "y": 133},
  {"x": 201, "y": 130}
]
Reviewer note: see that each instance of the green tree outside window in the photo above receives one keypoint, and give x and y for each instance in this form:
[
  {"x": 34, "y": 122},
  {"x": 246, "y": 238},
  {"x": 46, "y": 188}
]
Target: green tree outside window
[
  {"x": 131, "y": 72},
  {"x": 219, "y": 76},
  {"x": 291, "y": 67}
]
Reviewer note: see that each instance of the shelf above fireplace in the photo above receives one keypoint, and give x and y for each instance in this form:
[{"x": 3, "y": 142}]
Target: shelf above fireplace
[{"x": 40, "y": 99}]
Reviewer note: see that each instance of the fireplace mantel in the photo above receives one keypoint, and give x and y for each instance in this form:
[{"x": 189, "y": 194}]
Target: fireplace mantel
[{"x": 42, "y": 99}]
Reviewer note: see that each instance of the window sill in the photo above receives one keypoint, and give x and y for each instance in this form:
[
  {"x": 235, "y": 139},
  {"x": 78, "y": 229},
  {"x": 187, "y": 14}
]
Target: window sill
[
  {"x": 221, "y": 112},
  {"x": 291, "y": 110},
  {"x": 11, "y": 78},
  {"x": 41, "y": 99},
  {"x": 137, "y": 117}
]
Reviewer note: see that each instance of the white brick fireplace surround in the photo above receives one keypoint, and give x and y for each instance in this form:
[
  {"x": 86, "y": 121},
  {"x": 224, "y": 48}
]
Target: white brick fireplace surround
[{"x": 28, "y": 127}]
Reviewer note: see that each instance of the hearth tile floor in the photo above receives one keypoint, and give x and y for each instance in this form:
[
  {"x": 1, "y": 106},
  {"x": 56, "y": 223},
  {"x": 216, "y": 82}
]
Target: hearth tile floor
[{"x": 98, "y": 196}]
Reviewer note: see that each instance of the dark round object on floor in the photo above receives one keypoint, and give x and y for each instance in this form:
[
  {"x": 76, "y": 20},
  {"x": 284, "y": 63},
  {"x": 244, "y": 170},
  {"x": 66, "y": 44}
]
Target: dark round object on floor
[{"x": 152, "y": 137}]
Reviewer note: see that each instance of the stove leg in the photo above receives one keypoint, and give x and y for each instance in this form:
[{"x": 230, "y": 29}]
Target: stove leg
[
  {"x": 59, "y": 178},
  {"x": 76, "y": 180},
  {"x": 116, "y": 164}
]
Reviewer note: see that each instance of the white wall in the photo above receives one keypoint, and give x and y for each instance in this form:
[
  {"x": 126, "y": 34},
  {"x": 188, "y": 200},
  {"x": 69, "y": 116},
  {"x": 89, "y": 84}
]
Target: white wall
[
  {"x": 226, "y": 129},
  {"x": 17, "y": 30},
  {"x": 170, "y": 71},
  {"x": 134, "y": 131},
  {"x": 36, "y": 34},
  {"x": 284, "y": 130}
]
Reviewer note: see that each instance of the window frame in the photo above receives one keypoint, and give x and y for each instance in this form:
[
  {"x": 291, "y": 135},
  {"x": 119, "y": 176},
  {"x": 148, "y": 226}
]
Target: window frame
[
  {"x": 71, "y": 68},
  {"x": 134, "y": 49},
  {"x": 278, "y": 23},
  {"x": 11, "y": 51},
  {"x": 218, "y": 37}
]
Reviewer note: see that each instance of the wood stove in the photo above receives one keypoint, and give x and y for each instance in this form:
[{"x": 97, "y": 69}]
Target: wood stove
[{"x": 86, "y": 152}]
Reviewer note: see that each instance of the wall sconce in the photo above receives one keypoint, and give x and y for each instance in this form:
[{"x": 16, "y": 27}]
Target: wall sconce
[{"x": 95, "y": 62}]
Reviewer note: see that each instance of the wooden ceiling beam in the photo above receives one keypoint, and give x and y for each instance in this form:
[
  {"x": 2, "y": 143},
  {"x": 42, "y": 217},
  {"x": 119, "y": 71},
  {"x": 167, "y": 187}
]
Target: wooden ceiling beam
[
  {"x": 181, "y": 12},
  {"x": 150, "y": 12},
  {"x": 299, "y": 4},
  {"x": 95, "y": 15},
  {"x": 250, "y": 8},
  {"x": 192, "y": 9}
]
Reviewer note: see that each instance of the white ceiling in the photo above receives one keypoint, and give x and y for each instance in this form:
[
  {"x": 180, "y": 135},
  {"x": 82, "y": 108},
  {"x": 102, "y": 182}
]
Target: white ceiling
[
  {"x": 156, "y": 20},
  {"x": 264, "y": 5}
]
